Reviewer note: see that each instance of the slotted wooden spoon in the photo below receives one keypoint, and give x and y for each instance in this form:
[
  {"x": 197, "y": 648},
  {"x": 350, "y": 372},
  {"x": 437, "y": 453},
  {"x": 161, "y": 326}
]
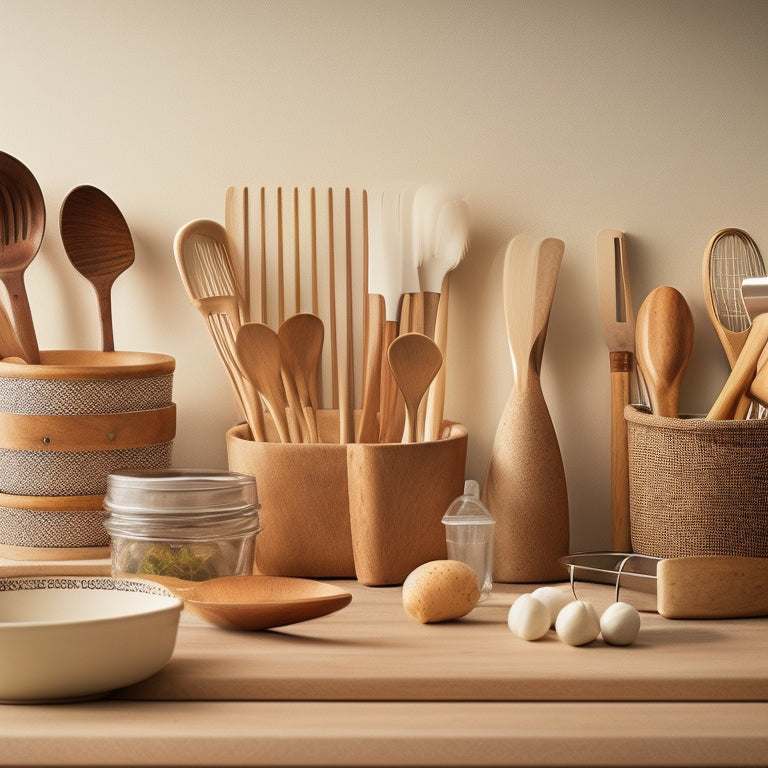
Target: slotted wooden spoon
[
  {"x": 99, "y": 245},
  {"x": 664, "y": 333},
  {"x": 415, "y": 360},
  {"x": 22, "y": 224},
  {"x": 202, "y": 249}
]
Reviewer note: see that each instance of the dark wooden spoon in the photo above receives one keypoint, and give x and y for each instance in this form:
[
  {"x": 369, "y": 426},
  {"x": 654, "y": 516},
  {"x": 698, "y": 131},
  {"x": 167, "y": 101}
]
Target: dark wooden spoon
[
  {"x": 22, "y": 224},
  {"x": 99, "y": 246}
]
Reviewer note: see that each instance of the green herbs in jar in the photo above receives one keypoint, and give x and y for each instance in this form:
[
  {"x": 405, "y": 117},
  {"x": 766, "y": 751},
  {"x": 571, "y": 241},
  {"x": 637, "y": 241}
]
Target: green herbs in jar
[{"x": 179, "y": 562}]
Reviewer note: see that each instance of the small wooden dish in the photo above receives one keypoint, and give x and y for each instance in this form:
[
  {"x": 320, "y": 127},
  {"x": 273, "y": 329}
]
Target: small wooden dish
[{"x": 257, "y": 602}]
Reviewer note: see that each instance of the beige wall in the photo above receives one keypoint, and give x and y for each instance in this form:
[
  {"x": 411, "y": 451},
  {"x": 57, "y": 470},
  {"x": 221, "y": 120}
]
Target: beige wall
[{"x": 554, "y": 118}]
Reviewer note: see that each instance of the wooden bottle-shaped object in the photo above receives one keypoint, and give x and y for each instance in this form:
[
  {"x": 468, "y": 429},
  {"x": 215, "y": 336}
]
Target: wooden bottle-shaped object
[{"x": 525, "y": 487}]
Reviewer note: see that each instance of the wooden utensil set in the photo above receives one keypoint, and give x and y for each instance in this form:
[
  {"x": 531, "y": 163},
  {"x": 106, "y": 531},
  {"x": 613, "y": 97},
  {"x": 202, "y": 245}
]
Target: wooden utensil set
[
  {"x": 660, "y": 341},
  {"x": 95, "y": 236},
  {"x": 344, "y": 307}
]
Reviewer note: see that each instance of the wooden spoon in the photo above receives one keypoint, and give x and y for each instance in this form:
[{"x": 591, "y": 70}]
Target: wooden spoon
[
  {"x": 256, "y": 602},
  {"x": 258, "y": 351},
  {"x": 99, "y": 246},
  {"x": 743, "y": 373},
  {"x": 663, "y": 347},
  {"x": 301, "y": 341},
  {"x": 415, "y": 360},
  {"x": 22, "y": 224}
]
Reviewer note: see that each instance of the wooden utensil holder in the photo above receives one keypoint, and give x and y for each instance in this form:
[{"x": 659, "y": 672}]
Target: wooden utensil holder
[
  {"x": 64, "y": 426},
  {"x": 366, "y": 511},
  {"x": 696, "y": 486}
]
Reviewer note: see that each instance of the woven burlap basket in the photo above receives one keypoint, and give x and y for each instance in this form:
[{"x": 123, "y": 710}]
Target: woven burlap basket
[{"x": 697, "y": 487}]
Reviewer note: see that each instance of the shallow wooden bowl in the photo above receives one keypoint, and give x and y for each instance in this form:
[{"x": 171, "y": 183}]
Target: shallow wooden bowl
[{"x": 257, "y": 602}]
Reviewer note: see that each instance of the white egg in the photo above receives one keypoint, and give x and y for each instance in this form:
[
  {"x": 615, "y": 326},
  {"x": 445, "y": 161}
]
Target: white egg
[
  {"x": 440, "y": 590},
  {"x": 620, "y": 624},
  {"x": 529, "y": 618},
  {"x": 555, "y": 599},
  {"x": 577, "y": 623}
]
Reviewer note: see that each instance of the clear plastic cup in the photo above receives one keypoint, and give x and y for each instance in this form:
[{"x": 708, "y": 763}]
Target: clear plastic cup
[{"x": 469, "y": 535}]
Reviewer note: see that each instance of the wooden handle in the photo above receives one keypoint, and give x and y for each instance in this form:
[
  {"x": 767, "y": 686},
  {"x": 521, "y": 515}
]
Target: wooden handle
[
  {"x": 25, "y": 327},
  {"x": 759, "y": 388},
  {"x": 717, "y": 587},
  {"x": 9, "y": 341},
  {"x": 621, "y": 366},
  {"x": 433, "y": 419},
  {"x": 743, "y": 373},
  {"x": 105, "y": 313},
  {"x": 368, "y": 428}
]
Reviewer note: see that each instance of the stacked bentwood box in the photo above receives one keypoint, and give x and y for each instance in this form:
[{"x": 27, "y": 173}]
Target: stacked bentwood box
[
  {"x": 65, "y": 424},
  {"x": 68, "y": 418}
]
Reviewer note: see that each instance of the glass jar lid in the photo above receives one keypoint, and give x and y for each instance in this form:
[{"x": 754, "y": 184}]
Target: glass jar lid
[{"x": 179, "y": 490}]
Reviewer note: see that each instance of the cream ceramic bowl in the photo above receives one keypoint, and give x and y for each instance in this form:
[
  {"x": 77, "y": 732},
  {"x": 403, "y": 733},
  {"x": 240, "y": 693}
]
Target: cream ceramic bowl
[{"x": 69, "y": 637}]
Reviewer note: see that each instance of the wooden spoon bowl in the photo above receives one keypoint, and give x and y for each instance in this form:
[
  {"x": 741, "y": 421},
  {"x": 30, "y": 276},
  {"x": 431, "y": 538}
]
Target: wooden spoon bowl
[
  {"x": 257, "y": 602},
  {"x": 99, "y": 245},
  {"x": 664, "y": 346}
]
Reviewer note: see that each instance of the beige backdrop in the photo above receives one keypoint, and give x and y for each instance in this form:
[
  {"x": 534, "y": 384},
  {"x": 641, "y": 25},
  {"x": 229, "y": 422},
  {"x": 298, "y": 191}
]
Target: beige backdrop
[{"x": 556, "y": 118}]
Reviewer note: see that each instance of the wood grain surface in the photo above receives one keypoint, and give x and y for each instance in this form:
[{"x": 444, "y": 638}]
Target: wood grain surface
[{"x": 371, "y": 686}]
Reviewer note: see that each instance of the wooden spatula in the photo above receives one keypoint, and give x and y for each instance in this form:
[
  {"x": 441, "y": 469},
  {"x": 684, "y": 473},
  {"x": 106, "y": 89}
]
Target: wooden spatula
[{"x": 617, "y": 316}]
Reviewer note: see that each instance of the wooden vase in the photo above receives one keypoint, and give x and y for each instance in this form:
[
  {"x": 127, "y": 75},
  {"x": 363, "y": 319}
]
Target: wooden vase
[
  {"x": 525, "y": 488},
  {"x": 526, "y": 493}
]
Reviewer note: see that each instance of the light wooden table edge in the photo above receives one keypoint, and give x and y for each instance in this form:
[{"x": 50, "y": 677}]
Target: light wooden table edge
[{"x": 385, "y": 733}]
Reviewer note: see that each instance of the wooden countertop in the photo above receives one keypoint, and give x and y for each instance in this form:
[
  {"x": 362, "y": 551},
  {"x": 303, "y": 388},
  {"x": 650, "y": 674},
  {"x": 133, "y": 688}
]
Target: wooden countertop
[
  {"x": 373, "y": 651},
  {"x": 368, "y": 685}
]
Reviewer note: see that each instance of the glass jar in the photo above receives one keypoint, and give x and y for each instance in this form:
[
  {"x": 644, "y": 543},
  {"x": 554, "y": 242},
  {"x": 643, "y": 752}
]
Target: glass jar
[{"x": 187, "y": 524}]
